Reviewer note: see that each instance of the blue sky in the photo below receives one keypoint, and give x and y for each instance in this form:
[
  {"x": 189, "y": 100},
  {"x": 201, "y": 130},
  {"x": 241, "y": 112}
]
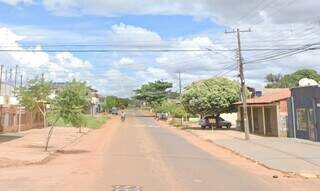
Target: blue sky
[
  {"x": 34, "y": 24},
  {"x": 168, "y": 26},
  {"x": 34, "y": 20}
]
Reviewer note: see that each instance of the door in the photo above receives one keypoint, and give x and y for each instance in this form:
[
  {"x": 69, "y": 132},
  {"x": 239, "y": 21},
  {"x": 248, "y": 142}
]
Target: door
[{"x": 312, "y": 125}]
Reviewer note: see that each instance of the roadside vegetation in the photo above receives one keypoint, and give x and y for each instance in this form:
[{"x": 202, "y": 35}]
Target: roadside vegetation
[
  {"x": 113, "y": 101},
  {"x": 206, "y": 97},
  {"x": 67, "y": 109},
  {"x": 92, "y": 122},
  {"x": 290, "y": 80}
]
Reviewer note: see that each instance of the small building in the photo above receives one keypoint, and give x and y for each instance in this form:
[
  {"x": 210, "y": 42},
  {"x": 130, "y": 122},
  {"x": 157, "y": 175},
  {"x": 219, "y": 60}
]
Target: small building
[
  {"x": 267, "y": 115},
  {"x": 15, "y": 119},
  {"x": 304, "y": 113},
  {"x": 95, "y": 105}
]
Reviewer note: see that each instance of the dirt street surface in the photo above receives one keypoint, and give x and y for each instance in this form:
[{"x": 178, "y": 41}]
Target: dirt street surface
[{"x": 142, "y": 154}]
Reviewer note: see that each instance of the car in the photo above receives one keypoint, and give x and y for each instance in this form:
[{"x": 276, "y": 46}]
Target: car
[
  {"x": 162, "y": 116},
  {"x": 114, "y": 111},
  {"x": 209, "y": 121}
]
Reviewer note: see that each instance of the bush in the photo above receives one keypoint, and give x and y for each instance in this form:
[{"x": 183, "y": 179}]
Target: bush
[{"x": 174, "y": 109}]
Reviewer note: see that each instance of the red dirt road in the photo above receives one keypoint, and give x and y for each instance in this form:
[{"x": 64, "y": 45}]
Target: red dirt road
[{"x": 140, "y": 153}]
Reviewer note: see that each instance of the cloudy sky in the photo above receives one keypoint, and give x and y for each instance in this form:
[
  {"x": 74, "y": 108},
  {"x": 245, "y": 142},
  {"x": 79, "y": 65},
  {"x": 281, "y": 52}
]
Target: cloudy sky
[{"x": 35, "y": 28}]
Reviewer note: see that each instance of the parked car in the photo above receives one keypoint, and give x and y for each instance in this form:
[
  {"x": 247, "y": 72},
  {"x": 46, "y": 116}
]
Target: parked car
[
  {"x": 114, "y": 111},
  {"x": 162, "y": 116},
  {"x": 208, "y": 122}
]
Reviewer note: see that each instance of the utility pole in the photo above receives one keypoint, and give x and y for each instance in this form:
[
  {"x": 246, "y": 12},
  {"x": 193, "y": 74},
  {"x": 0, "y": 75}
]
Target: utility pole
[
  {"x": 10, "y": 76},
  {"x": 15, "y": 77},
  {"x": 180, "y": 85},
  {"x": 5, "y": 82},
  {"x": 10, "y": 82},
  {"x": 20, "y": 80},
  {"x": 1, "y": 79},
  {"x": 242, "y": 81}
]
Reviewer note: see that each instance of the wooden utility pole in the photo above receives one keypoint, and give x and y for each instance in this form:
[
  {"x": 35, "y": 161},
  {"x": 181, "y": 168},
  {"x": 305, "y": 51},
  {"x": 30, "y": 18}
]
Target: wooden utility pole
[{"x": 242, "y": 81}]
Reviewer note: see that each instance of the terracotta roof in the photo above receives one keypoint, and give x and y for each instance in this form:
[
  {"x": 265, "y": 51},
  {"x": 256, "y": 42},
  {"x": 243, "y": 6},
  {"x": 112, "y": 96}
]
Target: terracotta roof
[{"x": 269, "y": 98}]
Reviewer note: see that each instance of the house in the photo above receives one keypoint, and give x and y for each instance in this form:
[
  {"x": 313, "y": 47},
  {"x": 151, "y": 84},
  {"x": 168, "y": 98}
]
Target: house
[
  {"x": 16, "y": 118},
  {"x": 304, "y": 113},
  {"x": 13, "y": 117},
  {"x": 95, "y": 101},
  {"x": 267, "y": 115},
  {"x": 95, "y": 105}
]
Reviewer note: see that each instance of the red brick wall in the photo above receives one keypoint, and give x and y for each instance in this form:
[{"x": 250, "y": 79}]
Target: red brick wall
[
  {"x": 283, "y": 106},
  {"x": 9, "y": 120}
]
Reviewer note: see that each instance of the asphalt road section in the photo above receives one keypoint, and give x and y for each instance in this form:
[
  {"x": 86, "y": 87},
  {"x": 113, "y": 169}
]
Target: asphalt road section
[
  {"x": 150, "y": 157},
  {"x": 141, "y": 154}
]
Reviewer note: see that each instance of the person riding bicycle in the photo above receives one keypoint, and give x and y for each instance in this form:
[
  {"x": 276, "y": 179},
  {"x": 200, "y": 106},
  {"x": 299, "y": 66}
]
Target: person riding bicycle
[{"x": 123, "y": 115}]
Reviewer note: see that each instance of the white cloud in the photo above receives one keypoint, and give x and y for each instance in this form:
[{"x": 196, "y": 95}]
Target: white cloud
[
  {"x": 122, "y": 34},
  {"x": 223, "y": 11},
  {"x": 60, "y": 66},
  {"x": 16, "y": 2}
]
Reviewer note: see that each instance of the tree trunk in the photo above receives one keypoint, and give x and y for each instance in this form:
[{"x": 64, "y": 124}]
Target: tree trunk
[
  {"x": 217, "y": 120},
  {"x": 49, "y": 135},
  {"x": 44, "y": 120},
  {"x": 48, "y": 138}
]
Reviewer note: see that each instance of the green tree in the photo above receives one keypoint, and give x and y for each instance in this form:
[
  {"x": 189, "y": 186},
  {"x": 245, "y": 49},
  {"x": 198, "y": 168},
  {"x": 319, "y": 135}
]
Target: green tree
[
  {"x": 109, "y": 102},
  {"x": 35, "y": 96},
  {"x": 153, "y": 92},
  {"x": 124, "y": 102},
  {"x": 210, "y": 97},
  {"x": 273, "y": 81},
  {"x": 171, "y": 107},
  {"x": 71, "y": 103},
  {"x": 291, "y": 80}
]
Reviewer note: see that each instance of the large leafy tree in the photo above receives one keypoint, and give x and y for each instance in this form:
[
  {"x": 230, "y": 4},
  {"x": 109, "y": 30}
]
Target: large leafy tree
[
  {"x": 290, "y": 80},
  {"x": 210, "y": 97},
  {"x": 124, "y": 102},
  {"x": 109, "y": 102},
  {"x": 153, "y": 92},
  {"x": 171, "y": 107}
]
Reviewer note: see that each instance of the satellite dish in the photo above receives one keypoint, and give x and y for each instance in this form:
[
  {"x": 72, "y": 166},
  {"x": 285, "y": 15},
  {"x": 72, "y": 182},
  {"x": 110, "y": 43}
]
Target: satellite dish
[{"x": 307, "y": 82}]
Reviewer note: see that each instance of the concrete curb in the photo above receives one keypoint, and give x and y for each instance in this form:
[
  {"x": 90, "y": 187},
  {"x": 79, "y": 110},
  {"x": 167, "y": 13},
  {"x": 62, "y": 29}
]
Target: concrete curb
[{"x": 288, "y": 173}]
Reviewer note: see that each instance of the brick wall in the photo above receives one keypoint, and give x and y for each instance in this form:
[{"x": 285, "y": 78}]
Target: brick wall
[
  {"x": 283, "y": 106},
  {"x": 9, "y": 120}
]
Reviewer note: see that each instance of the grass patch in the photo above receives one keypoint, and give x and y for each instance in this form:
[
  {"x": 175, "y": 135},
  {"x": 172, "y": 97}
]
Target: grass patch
[{"x": 92, "y": 122}]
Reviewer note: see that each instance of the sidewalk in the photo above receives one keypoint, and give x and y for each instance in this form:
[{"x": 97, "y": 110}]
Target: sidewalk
[
  {"x": 28, "y": 146},
  {"x": 288, "y": 155}
]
